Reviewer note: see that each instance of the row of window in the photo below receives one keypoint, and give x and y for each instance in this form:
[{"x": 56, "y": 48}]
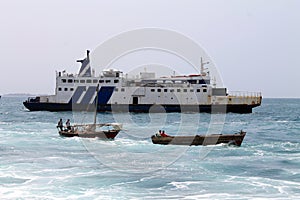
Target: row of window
[
  {"x": 88, "y": 81},
  {"x": 198, "y": 81},
  {"x": 178, "y": 90},
  {"x": 117, "y": 81},
  {"x": 66, "y": 89},
  {"x": 201, "y": 81},
  {"x": 166, "y": 90},
  {"x": 152, "y": 90}
]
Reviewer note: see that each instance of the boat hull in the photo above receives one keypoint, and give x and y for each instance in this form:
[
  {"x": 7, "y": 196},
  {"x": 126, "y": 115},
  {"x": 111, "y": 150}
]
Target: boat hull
[
  {"x": 143, "y": 108},
  {"x": 232, "y": 139},
  {"x": 111, "y": 134}
]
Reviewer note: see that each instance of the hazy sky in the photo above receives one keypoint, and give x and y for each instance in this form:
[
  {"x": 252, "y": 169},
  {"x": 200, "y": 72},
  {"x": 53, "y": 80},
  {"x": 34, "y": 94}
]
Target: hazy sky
[{"x": 255, "y": 44}]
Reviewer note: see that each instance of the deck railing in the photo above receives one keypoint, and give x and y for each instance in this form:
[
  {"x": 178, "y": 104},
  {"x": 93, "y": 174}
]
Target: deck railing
[{"x": 244, "y": 94}]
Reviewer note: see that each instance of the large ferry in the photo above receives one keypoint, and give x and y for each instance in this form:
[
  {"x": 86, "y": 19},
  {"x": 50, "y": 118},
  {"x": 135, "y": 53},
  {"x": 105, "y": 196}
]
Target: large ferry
[{"x": 146, "y": 93}]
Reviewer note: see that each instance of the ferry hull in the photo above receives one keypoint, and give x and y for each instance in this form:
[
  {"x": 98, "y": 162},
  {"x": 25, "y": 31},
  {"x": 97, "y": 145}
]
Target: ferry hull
[
  {"x": 145, "y": 108},
  {"x": 48, "y": 106}
]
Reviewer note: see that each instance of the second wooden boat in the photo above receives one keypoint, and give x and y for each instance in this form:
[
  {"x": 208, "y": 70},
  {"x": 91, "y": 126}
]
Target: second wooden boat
[{"x": 213, "y": 139}]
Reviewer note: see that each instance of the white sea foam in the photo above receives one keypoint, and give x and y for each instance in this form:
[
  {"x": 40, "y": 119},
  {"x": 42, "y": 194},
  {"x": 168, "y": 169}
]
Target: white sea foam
[{"x": 183, "y": 185}]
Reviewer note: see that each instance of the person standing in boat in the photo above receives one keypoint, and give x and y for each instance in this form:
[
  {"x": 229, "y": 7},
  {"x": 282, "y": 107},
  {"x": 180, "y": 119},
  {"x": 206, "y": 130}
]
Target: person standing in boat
[
  {"x": 68, "y": 124},
  {"x": 60, "y": 124}
]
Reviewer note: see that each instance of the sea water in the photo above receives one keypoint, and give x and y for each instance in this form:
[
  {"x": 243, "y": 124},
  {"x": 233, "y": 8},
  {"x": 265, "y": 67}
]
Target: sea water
[{"x": 36, "y": 163}]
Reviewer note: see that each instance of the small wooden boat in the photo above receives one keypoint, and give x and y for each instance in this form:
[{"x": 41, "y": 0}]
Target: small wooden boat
[
  {"x": 89, "y": 131},
  {"x": 231, "y": 139},
  {"x": 92, "y": 130}
]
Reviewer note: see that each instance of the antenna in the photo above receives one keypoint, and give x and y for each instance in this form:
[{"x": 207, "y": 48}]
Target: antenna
[
  {"x": 96, "y": 102},
  {"x": 214, "y": 82},
  {"x": 202, "y": 66}
]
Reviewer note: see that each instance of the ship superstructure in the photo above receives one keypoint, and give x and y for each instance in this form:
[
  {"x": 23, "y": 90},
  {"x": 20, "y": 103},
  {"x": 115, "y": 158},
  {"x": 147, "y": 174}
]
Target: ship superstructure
[{"x": 145, "y": 93}]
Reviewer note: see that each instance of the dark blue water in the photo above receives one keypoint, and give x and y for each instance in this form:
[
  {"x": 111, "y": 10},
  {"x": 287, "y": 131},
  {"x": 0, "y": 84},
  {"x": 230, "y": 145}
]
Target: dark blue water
[{"x": 36, "y": 163}]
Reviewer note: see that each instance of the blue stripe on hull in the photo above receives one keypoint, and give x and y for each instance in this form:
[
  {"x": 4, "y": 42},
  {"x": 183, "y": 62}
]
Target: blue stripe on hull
[
  {"x": 89, "y": 95},
  {"x": 104, "y": 94},
  {"x": 77, "y": 94}
]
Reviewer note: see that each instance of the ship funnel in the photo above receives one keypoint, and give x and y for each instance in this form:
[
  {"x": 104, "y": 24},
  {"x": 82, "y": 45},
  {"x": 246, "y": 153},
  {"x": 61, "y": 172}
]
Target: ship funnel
[{"x": 85, "y": 69}]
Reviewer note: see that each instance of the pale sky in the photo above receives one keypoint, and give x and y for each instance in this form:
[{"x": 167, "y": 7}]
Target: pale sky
[{"x": 255, "y": 44}]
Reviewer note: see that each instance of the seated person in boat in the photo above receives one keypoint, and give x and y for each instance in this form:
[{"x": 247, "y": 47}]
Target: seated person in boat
[
  {"x": 158, "y": 134},
  {"x": 60, "y": 124},
  {"x": 163, "y": 134}
]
